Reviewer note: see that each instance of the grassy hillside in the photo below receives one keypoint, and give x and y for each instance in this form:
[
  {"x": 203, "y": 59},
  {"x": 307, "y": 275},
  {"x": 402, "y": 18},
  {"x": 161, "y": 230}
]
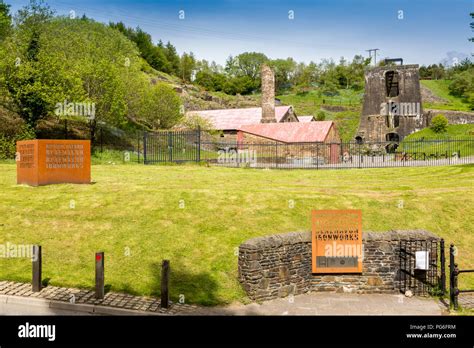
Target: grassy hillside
[
  {"x": 344, "y": 108},
  {"x": 311, "y": 102},
  {"x": 424, "y": 141},
  {"x": 453, "y": 131},
  {"x": 180, "y": 213},
  {"x": 440, "y": 89}
]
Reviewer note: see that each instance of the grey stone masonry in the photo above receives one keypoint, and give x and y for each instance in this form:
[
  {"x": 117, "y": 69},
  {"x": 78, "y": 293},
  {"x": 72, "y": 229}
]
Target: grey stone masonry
[
  {"x": 279, "y": 265},
  {"x": 268, "y": 94}
]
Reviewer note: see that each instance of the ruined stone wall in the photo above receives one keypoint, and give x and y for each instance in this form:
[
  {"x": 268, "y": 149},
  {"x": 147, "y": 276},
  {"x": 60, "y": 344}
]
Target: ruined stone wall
[
  {"x": 278, "y": 265},
  {"x": 373, "y": 124},
  {"x": 454, "y": 117}
]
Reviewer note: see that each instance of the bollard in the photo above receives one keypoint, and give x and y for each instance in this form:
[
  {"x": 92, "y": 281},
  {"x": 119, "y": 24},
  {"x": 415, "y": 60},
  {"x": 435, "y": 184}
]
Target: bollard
[
  {"x": 165, "y": 272},
  {"x": 443, "y": 267},
  {"x": 36, "y": 263},
  {"x": 99, "y": 275},
  {"x": 452, "y": 290},
  {"x": 455, "y": 286}
]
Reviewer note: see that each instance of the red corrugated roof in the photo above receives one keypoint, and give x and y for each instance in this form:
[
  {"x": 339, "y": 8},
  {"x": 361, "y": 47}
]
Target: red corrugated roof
[
  {"x": 231, "y": 119},
  {"x": 291, "y": 132}
]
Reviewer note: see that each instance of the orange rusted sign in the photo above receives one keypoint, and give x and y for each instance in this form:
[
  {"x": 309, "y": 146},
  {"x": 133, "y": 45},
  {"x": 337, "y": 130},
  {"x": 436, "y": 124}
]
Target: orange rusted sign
[
  {"x": 337, "y": 241},
  {"x": 43, "y": 162}
]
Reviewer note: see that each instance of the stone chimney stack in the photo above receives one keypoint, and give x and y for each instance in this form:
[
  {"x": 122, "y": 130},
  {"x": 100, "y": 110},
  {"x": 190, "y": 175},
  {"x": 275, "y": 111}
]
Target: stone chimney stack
[{"x": 268, "y": 95}]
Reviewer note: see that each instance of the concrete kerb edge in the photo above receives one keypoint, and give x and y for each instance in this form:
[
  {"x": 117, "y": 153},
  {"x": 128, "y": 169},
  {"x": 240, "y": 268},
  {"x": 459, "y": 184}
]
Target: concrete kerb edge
[
  {"x": 77, "y": 307},
  {"x": 120, "y": 311},
  {"x": 30, "y": 301}
]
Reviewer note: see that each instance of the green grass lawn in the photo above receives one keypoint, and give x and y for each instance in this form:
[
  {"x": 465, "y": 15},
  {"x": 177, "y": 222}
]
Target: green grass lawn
[
  {"x": 133, "y": 213},
  {"x": 440, "y": 88}
]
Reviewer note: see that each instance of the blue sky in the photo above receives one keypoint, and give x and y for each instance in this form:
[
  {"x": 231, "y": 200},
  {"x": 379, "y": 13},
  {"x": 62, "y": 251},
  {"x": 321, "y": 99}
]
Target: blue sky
[{"x": 215, "y": 29}]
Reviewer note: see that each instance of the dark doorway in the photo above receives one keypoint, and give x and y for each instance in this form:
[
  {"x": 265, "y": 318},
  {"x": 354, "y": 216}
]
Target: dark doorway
[{"x": 394, "y": 137}]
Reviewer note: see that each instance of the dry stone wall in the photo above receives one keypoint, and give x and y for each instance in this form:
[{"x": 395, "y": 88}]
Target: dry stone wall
[{"x": 279, "y": 265}]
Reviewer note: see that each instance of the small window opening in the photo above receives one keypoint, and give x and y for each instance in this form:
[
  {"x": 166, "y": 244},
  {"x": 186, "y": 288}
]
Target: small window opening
[{"x": 391, "y": 84}]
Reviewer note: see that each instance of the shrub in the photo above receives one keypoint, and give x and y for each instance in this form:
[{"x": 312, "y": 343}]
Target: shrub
[
  {"x": 8, "y": 142},
  {"x": 439, "y": 124},
  {"x": 320, "y": 116}
]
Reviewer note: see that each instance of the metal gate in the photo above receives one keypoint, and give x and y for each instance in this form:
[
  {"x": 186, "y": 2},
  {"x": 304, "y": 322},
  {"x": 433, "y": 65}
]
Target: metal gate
[
  {"x": 423, "y": 280},
  {"x": 171, "y": 146}
]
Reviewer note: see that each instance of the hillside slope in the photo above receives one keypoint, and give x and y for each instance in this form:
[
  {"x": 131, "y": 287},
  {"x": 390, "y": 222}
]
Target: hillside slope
[{"x": 435, "y": 95}]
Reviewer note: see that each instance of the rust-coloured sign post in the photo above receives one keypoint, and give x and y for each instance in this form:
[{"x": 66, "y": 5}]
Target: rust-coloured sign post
[
  {"x": 99, "y": 275},
  {"x": 43, "y": 162},
  {"x": 337, "y": 241}
]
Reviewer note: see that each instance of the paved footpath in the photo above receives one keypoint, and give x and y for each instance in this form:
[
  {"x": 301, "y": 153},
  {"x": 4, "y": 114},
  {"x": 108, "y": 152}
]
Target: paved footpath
[
  {"x": 337, "y": 304},
  {"x": 17, "y": 299}
]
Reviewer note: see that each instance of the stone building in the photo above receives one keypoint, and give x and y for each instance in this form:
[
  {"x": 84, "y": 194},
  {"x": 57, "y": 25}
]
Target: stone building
[
  {"x": 229, "y": 121},
  {"x": 318, "y": 139},
  {"x": 392, "y": 106}
]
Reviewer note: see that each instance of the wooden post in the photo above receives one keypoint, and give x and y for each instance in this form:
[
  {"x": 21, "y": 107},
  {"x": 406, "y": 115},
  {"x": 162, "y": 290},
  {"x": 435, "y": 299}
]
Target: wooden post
[
  {"x": 36, "y": 263},
  {"x": 165, "y": 272},
  {"x": 99, "y": 275}
]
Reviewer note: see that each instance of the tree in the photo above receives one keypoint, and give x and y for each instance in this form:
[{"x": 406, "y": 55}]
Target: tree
[
  {"x": 284, "y": 70},
  {"x": 5, "y": 20},
  {"x": 356, "y": 71},
  {"x": 306, "y": 75},
  {"x": 23, "y": 91},
  {"x": 33, "y": 15},
  {"x": 210, "y": 80},
  {"x": 154, "y": 55},
  {"x": 152, "y": 106},
  {"x": 187, "y": 65},
  {"x": 173, "y": 59},
  {"x": 90, "y": 66},
  {"x": 462, "y": 84},
  {"x": 247, "y": 64}
]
